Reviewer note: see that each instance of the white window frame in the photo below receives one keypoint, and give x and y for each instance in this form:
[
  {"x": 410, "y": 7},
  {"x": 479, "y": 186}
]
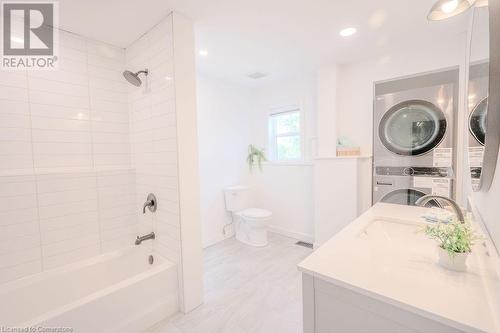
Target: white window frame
[{"x": 273, "y": 137}]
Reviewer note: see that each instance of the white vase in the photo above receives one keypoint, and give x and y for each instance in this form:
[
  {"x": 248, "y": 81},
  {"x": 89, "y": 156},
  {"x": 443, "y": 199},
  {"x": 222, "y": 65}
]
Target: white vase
[{"x": 457, "y": 262}]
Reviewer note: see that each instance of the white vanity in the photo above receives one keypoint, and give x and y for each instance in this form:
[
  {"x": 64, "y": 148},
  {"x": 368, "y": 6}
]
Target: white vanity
[{"x": 380, "y": 274}]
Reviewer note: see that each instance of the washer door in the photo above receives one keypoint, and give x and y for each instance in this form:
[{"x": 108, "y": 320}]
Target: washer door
[
  {"x": 477, "y": 121},
  {"x": 412, "y": 128}
]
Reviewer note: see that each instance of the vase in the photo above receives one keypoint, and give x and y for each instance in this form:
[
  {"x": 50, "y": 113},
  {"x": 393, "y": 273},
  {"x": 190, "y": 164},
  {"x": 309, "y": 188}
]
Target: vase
[{"x": 457, "y": 262}]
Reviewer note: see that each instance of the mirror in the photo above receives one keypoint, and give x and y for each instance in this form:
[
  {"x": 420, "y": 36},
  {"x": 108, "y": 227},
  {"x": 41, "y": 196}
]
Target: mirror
[{"x": 482, "y": 112}]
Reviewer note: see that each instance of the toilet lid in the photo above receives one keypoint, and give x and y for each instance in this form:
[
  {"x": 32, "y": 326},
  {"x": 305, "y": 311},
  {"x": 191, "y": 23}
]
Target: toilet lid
[{"x": 256, "y": 213}]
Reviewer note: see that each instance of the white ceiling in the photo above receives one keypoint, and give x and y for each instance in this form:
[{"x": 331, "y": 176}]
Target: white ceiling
[{"x": 278, "y": 37}]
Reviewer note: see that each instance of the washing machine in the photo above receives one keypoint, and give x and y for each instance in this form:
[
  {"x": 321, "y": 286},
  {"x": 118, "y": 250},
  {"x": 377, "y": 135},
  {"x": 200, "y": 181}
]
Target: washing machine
[
  {"x": 405, "y": 185},
  {"x": 414, "y": 127},
  {"x": 478, "y": 106}
]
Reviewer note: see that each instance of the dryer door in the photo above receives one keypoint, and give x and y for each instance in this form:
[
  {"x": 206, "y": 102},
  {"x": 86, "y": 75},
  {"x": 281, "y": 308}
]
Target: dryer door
[
  {"x": 403, "y": 197},
  {"x": 412, "y": 127},
  {"x": 477, "y": 121}
]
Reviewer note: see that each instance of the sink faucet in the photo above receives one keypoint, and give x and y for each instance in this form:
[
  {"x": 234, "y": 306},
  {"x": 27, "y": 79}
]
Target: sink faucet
[
  {"x": 426, "y": 198},
  {"x": 151, "y": 203},
  {"x": 141, "y": 239}
]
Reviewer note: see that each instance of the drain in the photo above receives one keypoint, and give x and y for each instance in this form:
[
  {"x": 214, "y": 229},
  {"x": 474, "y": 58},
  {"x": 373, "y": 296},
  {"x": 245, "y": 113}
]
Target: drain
[
  {"x": 304, "y": 244},
  {"x": 151, "y": 260}
]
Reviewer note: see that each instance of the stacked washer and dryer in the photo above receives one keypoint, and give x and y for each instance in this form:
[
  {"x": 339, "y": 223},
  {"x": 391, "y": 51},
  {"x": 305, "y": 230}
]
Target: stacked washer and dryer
[{"x": 413, "y": 137}]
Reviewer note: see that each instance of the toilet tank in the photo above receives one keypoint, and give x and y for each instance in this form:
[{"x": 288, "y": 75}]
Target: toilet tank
[{"x": 236, "y": 198}]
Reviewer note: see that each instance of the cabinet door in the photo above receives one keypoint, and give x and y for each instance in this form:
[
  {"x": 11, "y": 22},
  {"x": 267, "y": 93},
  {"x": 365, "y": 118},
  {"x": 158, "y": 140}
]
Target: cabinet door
[
  {"x": 340, "y": 310},
  {"x": 334, "y": 316}
]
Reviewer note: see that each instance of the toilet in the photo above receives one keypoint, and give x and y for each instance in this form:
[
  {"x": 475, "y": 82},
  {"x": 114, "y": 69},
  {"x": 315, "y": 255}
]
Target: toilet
[{"x": 250, "y": 223}]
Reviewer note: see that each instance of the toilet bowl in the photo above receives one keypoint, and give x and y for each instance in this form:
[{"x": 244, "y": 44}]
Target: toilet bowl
[
  {"x": 250, "y": 223},
  {"x": 251, "y": 227}
]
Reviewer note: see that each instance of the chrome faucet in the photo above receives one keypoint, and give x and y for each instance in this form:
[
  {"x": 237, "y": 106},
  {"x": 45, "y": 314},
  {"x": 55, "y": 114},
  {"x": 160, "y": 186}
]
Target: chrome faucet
[
  {"x": 151, "y": 203},
  {"x": 141, "y": 239},
  {"x": 426, "y": 198}
]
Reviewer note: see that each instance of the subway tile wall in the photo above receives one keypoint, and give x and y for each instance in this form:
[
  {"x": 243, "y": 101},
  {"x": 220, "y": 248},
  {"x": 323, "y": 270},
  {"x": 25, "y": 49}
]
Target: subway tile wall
[
  {"x": 67, "y": 185},
  {"x": 153, "y": 136}
]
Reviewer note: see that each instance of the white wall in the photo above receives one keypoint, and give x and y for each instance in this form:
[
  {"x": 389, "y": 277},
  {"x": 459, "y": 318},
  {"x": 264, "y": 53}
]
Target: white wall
[
  {"x": 327, "y": 111},
  {"x": 191, "y": 276},
  {"x": 299, "y": 91},
  {"x": 154, "y": 137},
  {"x": 64, "y": 159},
  {"x": 224, "y": 133},
  {"x": 287, "y": 189},
  {"x": 231, "y": 117},
  {"x": 165, "y": 149}
]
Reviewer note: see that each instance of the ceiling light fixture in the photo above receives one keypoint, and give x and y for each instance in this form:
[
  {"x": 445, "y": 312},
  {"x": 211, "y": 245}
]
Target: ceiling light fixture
[
  {"x": 450, "y": 6},
  {"x": 203, "y": 53},
  {"x": 444, "y": 9},
  {"x": 347, "y": 32}
]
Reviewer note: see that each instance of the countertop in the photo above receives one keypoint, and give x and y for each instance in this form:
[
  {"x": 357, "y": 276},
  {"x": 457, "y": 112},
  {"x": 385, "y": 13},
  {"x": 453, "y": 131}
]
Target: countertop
[{"x": 395, "y": 263}]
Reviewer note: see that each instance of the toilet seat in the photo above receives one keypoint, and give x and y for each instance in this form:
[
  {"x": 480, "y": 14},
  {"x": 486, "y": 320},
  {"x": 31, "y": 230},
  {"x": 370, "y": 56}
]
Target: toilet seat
[{"x": 256, "y": 213}]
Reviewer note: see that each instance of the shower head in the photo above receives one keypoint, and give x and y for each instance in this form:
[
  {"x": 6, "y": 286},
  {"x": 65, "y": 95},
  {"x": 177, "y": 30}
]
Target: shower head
[{"x": 134, "y": 77}]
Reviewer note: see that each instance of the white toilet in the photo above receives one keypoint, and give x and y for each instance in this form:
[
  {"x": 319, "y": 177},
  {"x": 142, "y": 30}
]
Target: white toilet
[{"x": 250, "y": 223}]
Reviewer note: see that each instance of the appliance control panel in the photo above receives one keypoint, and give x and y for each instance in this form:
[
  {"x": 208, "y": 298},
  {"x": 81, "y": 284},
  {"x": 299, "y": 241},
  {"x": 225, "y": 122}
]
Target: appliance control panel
[{"x": 412, "y": 171}]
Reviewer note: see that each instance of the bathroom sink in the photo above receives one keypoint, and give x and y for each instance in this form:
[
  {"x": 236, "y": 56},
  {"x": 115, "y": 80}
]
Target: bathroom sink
[{"x": 394, "y": 234}]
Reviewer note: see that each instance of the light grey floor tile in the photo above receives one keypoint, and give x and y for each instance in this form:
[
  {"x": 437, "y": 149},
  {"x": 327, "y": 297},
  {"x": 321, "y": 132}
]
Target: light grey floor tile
[{"x": 247, "y": 290}]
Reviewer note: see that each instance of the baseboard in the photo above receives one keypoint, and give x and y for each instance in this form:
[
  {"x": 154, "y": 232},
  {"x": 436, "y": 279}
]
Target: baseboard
[{"x": 292, "y": 234}]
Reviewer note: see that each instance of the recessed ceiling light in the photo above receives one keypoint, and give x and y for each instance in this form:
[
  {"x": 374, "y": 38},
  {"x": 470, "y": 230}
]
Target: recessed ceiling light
[
  {"x": 203, "y": 53},
  {"x": 444, "y": 9},
  {"x": 347, "y": 32},
  {"x": 257, "y": 75}
]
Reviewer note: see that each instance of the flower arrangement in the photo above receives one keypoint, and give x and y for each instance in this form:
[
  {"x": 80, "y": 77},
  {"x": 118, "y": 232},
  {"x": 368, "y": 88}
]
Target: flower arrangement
[
  {"x": 454, "y": 237},
  {"x": 455, "y": 243}
]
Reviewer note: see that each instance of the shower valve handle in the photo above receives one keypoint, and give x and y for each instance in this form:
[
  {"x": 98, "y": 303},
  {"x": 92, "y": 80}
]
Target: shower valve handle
[{"x": 151, "y": 203}]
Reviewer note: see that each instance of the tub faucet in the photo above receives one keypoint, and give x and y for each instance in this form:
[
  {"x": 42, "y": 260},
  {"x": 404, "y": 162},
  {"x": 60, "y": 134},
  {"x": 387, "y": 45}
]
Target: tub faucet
[
  {"x": 151, "y": 203},
  {"x": 426, "y": 198},
  {"x": 141, "y": 239}
]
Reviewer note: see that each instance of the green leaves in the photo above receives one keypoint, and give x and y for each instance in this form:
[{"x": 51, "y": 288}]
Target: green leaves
[
  {"x": 454, "y": 237},
  {"x": 255, "y": 156}
]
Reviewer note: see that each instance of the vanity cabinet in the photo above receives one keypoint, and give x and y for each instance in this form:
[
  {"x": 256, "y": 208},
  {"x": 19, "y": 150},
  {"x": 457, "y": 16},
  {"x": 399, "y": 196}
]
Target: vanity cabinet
[
  {"x": 381, "y": 275},
  {"x": 329, "y": 308}
]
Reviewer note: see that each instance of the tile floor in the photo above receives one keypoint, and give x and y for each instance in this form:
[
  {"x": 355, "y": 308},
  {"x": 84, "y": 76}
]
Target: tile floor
[{"x": 247, "y": 289}]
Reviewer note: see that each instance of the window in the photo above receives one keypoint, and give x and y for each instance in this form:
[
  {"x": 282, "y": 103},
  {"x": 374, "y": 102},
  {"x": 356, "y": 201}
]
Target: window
[{"x": 284, "y": 135}]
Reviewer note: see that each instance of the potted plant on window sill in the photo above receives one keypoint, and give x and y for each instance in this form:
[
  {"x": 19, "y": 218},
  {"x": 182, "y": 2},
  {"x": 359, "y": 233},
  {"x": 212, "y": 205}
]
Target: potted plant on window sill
[
  {"x": 455, "y": 243},
  {"x": 255, "y": 157}
]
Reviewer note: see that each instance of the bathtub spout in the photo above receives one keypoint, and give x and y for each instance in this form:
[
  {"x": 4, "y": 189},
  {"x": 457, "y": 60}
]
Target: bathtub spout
[{"x": 141, "y": 239}]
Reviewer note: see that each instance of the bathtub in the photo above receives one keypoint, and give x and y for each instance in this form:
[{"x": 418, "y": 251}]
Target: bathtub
[{"x": 115, "y": 292}]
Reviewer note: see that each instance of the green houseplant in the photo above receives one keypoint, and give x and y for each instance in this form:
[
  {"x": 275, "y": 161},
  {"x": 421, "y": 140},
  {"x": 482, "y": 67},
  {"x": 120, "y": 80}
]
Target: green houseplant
[
  {"x": 455, "y": 243},
  {"x": 255, "y": 157}
]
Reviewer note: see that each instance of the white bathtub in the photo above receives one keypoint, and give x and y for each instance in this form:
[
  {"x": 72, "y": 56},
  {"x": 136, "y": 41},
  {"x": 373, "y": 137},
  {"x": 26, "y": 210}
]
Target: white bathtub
[{"x": 114, "y": 292}]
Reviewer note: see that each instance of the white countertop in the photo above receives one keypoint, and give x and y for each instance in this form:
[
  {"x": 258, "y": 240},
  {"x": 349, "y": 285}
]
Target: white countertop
[{"x": 382, "y": 255}]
